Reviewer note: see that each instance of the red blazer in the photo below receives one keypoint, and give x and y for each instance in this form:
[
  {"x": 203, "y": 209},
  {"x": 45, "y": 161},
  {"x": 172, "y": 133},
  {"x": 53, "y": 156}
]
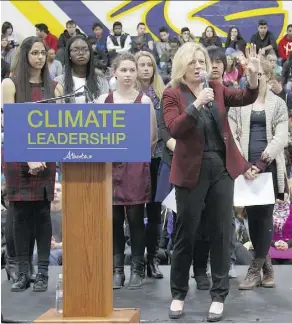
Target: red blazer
[{"x": 187, "y": 157}]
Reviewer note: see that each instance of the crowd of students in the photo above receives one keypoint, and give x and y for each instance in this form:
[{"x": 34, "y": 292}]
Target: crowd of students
[{"x": 121, "y": 69}]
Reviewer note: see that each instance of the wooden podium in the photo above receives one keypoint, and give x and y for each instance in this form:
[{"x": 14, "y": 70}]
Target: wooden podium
[
  {"x": 86, "y": 190},
  {"x": 87, "y": 248}
]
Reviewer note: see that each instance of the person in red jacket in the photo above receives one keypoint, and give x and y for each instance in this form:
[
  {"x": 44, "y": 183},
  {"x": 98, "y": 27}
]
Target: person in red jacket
[
  {"x": 285, "y": 45},
  {"x": 42, "y": 31}
]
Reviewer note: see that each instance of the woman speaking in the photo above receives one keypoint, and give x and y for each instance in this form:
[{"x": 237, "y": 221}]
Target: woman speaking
[{"x": 205, "y": 163}]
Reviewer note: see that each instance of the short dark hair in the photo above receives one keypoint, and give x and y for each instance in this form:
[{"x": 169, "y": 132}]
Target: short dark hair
[
  {"x": 42, "y": 27},
  {"x": 117, "y": 24},
  {"x": 184, "y": 29},
  {"x": 70, "y": 23},
  {"x": 163, "y": 30},
  {"x": 97, "y": 25},
  {"x": 217, "y": 54},
  {"x": 262, "y": 22},
  {"x": 140, "y": 24},
  {"x": 289, "y": 26}
]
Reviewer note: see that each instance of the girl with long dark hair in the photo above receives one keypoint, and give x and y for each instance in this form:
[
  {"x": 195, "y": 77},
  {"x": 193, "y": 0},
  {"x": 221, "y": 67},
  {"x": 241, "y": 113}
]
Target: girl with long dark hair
[
  {"x": 30, "y": 185},
  {"x": 79, "y": 71},
  {"x": 7, "y": 32},
  {"x": 234, "y": 41}
]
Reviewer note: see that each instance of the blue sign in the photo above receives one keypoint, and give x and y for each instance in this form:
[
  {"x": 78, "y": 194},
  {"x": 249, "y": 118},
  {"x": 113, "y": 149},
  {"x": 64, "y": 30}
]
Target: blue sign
[{"x": 77, "y": 133}]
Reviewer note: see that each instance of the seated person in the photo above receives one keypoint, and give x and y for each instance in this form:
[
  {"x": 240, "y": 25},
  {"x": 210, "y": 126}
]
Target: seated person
[{"x": 281, "y": 249}]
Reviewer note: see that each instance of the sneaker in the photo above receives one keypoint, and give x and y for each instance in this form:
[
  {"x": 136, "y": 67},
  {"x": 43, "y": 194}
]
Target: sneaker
[
  {"x": 232, "y": 271},
  {"x": 41, "y": 282}
]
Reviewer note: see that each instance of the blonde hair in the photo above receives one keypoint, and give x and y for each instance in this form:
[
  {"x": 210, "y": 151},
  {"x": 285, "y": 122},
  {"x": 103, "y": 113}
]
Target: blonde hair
[
  {"x": 182, "y": 58},
  {"x": 156, "y": 80},
  {"x": 268, "y": 72},
  {"x": 267, "y": 68},
  {"x": 233, "y": 65}
]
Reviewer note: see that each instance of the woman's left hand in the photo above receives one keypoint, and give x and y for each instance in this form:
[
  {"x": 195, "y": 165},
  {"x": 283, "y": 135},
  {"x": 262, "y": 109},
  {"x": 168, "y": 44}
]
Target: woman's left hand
[{"x": 253, "y": 66}]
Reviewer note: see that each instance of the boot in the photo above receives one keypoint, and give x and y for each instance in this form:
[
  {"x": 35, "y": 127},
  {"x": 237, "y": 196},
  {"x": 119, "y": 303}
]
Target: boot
[
  {"x": 11, "y": 268},
  {"x": 153, "y": 233},
  {"x": 137, "y": 272},
  {"x": 152, "y": 268},
  {"x": 41, "y": 282},
  {"x": 253, "y": 277},
  {"x": 118, "y": 273},
  {"x": 22, "y": 283},
  {"x": 268, "y": 274}
]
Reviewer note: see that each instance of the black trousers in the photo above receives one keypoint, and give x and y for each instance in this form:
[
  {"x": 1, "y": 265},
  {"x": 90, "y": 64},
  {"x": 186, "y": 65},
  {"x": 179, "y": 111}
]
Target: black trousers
[
  {"x": 135, "y": 217},
  {"x": 10, "y": 246},
  {"x": 153, "y": 209},
  {"x": 215, "y": 190},
  {"x": 31, "y": 217},
  {"x": 260, "y": 221}
]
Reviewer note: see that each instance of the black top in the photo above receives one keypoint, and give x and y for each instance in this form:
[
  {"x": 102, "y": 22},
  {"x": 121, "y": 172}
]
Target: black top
[
  {"x": 213, "y": 139},
  {"x": 269, "y": 39},
  {"x": 258, "y": 135}
]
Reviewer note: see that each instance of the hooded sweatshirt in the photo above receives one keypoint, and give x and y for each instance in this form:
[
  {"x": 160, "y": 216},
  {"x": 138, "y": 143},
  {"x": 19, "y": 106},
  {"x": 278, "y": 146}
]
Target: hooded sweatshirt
[{"x": 285, "y": 47}]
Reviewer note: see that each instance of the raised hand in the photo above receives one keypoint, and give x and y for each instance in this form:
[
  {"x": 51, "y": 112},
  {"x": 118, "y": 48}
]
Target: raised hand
[
  {"x": 253, "y": 66},
  {"x": 253, "y": 60}
]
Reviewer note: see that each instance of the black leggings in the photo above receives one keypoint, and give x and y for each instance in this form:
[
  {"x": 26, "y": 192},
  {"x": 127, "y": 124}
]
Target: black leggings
[
  {"x": 153, "y": 209},
  {"x": 135, "y": 217},
  {"x": 10, "y": 246},
  {"x": 260, "y": 221},
  {"x": 32, "y": 217}
]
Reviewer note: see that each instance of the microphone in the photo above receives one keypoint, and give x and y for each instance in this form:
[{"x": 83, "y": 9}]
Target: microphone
[{"x": 205, "y": 81}]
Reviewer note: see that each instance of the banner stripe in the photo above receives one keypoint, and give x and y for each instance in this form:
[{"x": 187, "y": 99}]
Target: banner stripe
[
  {"x": 80, "y": 13},
  {"x": 36, "y": 13}
]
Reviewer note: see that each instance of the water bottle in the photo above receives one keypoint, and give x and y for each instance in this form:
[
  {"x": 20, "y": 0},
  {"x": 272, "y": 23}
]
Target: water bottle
[{"x": 59, "y": 294}]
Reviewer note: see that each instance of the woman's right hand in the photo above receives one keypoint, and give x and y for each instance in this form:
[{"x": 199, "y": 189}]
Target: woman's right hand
[
  {"x": 251, "y": 173},
  {"x": 36, "y": 167},
  {"x": 205, "y": 96}
]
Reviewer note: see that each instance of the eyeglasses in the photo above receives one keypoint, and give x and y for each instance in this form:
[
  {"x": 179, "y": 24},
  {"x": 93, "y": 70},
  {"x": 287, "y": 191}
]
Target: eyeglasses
[
  {"x": 37, "y": 53},
  {"x": 76, "y": 50}
]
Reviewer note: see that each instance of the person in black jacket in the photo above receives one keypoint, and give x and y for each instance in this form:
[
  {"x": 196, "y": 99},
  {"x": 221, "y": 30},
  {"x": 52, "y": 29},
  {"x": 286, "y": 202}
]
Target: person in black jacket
[
  {"x": 235, "y": 41},
  {"x": 69, "y": 32}
]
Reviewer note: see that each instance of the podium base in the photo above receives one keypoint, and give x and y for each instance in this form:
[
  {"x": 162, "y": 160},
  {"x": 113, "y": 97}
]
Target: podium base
[{"x": 118, "y": 316}]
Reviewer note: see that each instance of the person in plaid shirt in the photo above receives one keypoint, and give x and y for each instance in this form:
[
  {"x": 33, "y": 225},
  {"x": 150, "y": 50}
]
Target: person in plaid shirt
[{"x": 30, "y": 186}]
